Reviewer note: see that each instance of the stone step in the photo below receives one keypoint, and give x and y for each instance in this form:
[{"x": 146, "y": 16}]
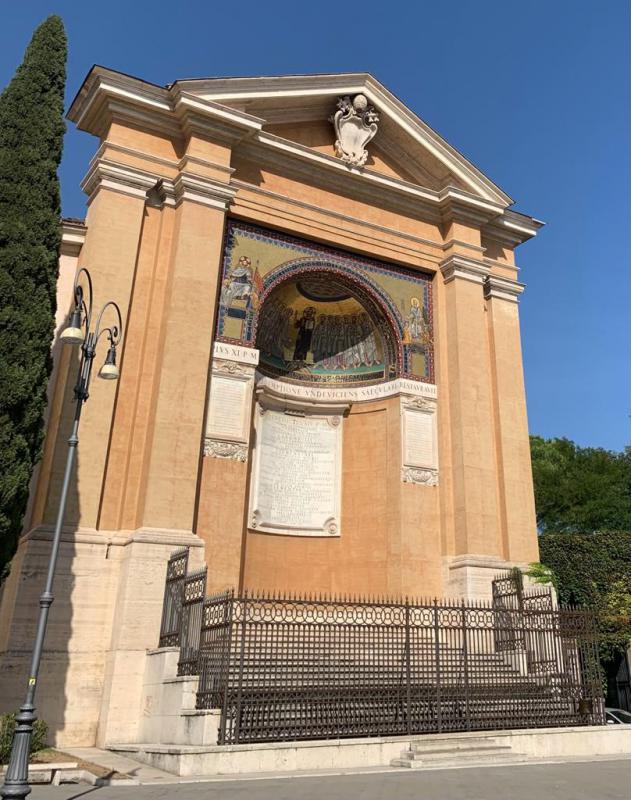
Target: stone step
[
  {"x": 453, "y": 754},
  {"x": 458, "y": 761},
  {"x": 431, "y": 745},
  {"x": 437, "y": 753}
]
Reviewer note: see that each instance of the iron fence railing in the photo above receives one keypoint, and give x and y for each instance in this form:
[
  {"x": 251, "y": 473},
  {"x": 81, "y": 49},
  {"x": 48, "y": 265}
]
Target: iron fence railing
[
  {"x": 286, "y": 668},
  {"x": 172, "y": 604},
  {"x": 193, "y": 595}
]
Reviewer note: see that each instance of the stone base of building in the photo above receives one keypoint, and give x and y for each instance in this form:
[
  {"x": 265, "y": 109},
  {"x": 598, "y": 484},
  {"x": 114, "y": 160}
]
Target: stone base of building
[
  {"x": 109, "y": 589},
  {"x": 95, "y": 680},
  {"x": 520, "y": 746},
  {"x": 471, "y": 576}
]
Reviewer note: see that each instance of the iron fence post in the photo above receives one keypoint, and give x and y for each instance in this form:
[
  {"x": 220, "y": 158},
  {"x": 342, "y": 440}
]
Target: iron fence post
[
  {"x": 408, "y": 671},
  {"x": 244, "y": 611},
  {"x": 465, "y": 658},
  {"x": 438, "y": 676},
  {"x": 225, "y": 664}
]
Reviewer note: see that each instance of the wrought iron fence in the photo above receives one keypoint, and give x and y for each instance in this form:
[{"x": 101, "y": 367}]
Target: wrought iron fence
[
  {"x": 193, "y": 595},
  {"x": 172, "y": 604},
  {"x": 288, "y": 668}
]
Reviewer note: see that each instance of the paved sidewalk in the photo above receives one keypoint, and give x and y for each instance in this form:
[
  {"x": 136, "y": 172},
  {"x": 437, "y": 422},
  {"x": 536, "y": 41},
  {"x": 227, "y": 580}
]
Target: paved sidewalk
[
  {"x": 596, "y": 780},
  {"x": 143, "y": 773}
]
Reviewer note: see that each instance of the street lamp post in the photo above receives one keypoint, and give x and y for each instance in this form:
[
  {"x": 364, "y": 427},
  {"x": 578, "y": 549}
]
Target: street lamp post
[{"x": 77, "y": 332}]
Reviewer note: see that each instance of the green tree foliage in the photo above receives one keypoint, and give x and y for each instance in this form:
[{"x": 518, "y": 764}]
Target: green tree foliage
[
  {"x": 31, "y": 137},
  {"x": 583, "y": 500},
  {"x": 594, "y": 570},
  {"x": 580, "y": 489}
]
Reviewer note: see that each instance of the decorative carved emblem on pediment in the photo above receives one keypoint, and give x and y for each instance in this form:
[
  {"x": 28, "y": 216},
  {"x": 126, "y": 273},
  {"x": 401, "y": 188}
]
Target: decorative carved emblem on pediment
[{"x": 355, "y": 125}]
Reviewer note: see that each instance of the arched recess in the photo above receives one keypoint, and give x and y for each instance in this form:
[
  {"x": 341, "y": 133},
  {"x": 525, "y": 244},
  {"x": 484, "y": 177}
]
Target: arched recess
[{"x": 375, "y": 303}]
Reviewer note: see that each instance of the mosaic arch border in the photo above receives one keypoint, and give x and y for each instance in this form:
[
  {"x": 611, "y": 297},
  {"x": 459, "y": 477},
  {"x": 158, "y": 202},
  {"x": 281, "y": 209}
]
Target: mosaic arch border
[
  {"x": 352, "y": 268},
  {"x": 379, "y": 307}
]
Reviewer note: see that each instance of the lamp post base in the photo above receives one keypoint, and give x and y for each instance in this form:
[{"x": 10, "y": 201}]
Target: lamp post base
[{"x": 16, "y": 779}]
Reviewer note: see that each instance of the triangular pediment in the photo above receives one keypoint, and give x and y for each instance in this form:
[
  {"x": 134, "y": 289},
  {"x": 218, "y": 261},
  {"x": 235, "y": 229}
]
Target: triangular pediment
[{"x": 299, "y": 108}]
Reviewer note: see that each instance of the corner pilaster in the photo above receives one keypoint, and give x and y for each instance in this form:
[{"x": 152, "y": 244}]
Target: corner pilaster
[
  {"x": 517, "y": 512},
  {"x": 473, "y": 455}
]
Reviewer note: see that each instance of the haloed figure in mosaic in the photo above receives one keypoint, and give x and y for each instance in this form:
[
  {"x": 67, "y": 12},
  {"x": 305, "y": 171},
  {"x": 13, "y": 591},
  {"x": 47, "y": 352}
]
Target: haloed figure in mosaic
[
  {"x": 322, "y": 340},
  {"x": 305, "y": 326},
  {"x": 322, "y": 316}
]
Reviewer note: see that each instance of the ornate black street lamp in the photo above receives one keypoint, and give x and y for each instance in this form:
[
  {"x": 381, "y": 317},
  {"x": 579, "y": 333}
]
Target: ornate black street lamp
[{"x": 77, "y": 332}]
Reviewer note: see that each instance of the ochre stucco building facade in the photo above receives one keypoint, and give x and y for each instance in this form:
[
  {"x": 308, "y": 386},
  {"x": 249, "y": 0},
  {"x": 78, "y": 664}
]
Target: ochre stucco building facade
[{"x": 241, "y": 232}]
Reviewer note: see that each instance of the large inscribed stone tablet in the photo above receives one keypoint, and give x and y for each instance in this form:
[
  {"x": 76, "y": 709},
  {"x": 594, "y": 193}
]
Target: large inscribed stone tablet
[{"x": 296, "y": 474}]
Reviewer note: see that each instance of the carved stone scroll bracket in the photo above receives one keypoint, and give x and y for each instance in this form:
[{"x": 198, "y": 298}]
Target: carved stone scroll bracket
[
  {"x": 421, "y": 477},
  {"x": 230, "y": 450},
  {"x": 355, "y": 123}
]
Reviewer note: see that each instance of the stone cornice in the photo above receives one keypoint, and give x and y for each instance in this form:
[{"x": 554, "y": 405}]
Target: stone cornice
[
  {"x": 502, "y": 288},
  {"x": 179, "y": 111},
  {"x": 419, "y": 245},
  {"x": 512, "y": 228},
  {"x": 106, "y": 95},
  {"x": 366, "y": 184},
  {"x": 162, "y": 536},
  {"x": 156, "y": 189},
  {"x": 169, "y": 165},
  {"x": 205, "y": 191},
  {"x": 105, "y": 174},
  {"x": 72, "y": 236},
  {"x": 313, "y": 89},
  {"x": 469, "y": 269}
]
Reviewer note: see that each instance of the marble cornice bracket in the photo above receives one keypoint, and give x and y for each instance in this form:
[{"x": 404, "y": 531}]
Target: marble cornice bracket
[
  {"x": 501, "y": 288},
  {"x": 458, "y": 266}
]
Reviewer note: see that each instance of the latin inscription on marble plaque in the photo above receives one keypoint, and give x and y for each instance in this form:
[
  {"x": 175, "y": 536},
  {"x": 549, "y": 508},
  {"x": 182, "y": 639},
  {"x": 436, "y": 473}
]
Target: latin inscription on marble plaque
[
  {"x": 227, "y": 406},
  {"x": 419, "y": 438},
  {"x": 296, "y": 479}
]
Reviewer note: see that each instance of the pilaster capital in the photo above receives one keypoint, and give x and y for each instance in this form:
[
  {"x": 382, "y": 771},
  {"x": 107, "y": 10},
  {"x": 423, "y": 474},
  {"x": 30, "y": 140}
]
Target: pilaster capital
[
  {"x": 206, "y": 191},
  {"x": 469, "y": 269},
  {"x": 122, "y": 178},
  {"x": 502, "y": 288}
]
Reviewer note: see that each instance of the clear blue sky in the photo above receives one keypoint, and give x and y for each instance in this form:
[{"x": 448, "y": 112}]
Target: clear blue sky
[{"x": 535, "y": 94}]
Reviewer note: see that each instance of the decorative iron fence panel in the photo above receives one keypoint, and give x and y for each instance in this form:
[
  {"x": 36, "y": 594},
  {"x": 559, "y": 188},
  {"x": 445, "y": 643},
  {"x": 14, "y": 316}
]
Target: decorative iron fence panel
[
  {"x": 289, "y": 668},
  {"x": 172, "y": 603},
  {"x": 193, "y": 596},
  {"x": 284, "y": 669}
]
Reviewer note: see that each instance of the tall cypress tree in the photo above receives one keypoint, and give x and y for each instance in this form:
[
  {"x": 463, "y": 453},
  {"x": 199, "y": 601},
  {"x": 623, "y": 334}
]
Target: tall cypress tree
[{"x": 31, "y": 137}]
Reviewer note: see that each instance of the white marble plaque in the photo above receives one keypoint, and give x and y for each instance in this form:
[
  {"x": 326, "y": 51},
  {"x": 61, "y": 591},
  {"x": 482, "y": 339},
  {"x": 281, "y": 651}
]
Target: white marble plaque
[
  {"x": 419, "y": 439},
  {"x": 225, "y": 415},
  {"x": 296, "y": 479},
  {"x": 229, "y": 399},
  {"x": 419, "y": 454}
]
